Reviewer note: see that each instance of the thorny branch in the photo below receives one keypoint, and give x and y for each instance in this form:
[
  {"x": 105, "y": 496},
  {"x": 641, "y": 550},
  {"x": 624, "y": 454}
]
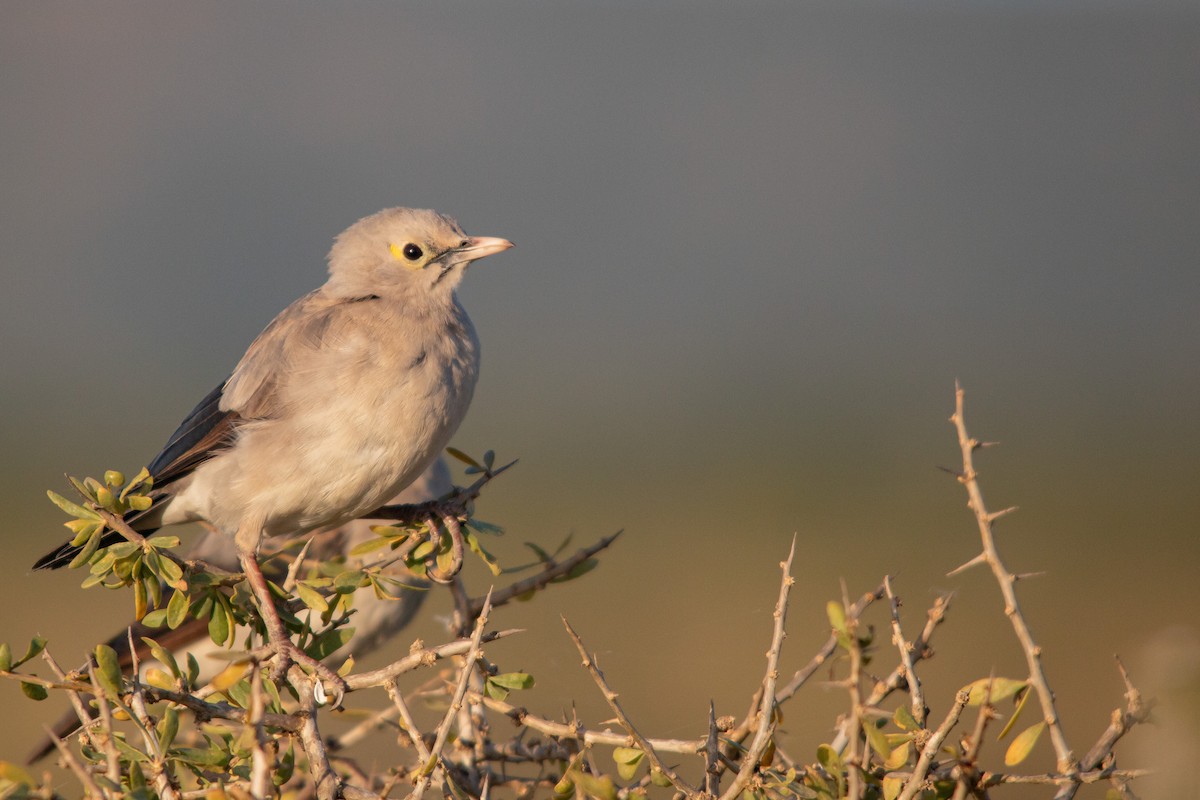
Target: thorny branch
[{"x": 464, "y": 757}]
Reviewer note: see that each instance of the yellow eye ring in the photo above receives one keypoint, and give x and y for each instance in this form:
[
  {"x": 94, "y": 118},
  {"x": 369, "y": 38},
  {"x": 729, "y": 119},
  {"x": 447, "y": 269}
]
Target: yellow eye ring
[{"x": 408, "y": 253}]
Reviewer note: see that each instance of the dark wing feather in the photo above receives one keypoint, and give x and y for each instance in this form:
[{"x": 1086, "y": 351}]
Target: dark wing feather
[{"x": 203, "y": 433}]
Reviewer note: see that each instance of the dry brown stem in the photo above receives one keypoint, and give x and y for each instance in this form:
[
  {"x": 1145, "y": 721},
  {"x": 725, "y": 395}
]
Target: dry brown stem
[{"x": 969, "y": 478}]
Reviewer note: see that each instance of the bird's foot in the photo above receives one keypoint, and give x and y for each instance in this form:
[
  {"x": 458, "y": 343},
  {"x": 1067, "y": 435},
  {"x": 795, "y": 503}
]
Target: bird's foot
[
  {"x": 451, "y": 516},
  {"x": 287, "y": 654}
]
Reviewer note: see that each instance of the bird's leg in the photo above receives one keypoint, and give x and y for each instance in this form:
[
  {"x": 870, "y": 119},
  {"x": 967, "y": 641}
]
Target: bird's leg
[
  {"x": 279, "y": 640},
  {"x": 449, "y": 516}
]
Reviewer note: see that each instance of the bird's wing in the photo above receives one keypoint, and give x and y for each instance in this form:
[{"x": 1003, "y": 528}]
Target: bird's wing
[
  {"x": 253, "y": 390},
  {"x": 204, "y": 432},
  {"x": 249, "y": 393}
]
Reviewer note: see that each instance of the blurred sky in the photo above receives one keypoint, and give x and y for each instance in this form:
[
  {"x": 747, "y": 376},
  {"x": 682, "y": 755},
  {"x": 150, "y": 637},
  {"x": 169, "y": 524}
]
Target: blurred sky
[{"x": 756, "y": 245}]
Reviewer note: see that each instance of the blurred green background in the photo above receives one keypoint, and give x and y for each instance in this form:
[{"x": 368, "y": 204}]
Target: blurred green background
[{"x": 757, "y": 244}]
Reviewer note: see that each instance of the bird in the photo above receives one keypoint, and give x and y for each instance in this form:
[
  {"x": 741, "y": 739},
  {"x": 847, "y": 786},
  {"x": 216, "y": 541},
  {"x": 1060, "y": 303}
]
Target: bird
[
  {"x": 375, "y": 619},
  {"x": 340, "y": 403}
]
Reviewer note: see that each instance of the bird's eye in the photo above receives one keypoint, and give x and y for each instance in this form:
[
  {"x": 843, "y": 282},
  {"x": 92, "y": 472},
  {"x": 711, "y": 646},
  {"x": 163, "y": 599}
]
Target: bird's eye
[{"x": 412, "y": 252}]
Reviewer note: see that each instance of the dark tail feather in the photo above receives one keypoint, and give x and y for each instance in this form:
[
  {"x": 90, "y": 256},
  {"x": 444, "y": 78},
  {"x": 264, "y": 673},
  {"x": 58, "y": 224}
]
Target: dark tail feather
[{"x": 65, "y": 553}]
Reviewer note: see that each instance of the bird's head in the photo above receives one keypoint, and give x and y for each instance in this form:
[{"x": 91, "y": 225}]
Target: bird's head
[{"x": 405, "y": 253}]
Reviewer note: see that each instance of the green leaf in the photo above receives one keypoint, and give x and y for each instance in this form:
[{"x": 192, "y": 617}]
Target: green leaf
[
  {"x": 6, "y": 662},
  {"x": 598, "y": 786},
  {"x": 628, "y": 760},
  {"x": 34, "y": 691},
  {"x": 828, "y": 758},
  {"x": 106, "y": 498},
  {"x": 541, "y": 554},
  {"x": 477, "y": 549},
  {"x": 137, "y": 782},
  {"x": 1002, "y": 689},
  {"x": 89, "y": 548},
  {"x": 1022, "y": 746},
  {"x": 348, "y": 581},
  {"x": 463, "y": 457},
  {"x": 193, "y": 670},
  {"x": 74, "y": 509},
  {"x": 627, "y": 755},
  {"x": 14, "y": 774},
  {"x": 1016, "y": 714},
  {"x": 877, "y": 739},
  {"x": 143, "y": 477},
  {"x": 328, "y": 642},
  {"x": 130, "y": 752},
  {"x": 140, "y": 502},
  {"x": 837, "y": 616},
  {"x": 485, "y": 527},
  {"x": 206, "y": 757},
  {"x": 219, "y": 627},
  {"x": 239, "y": 693},
  {"x": 168, "y": 727},
  {"x": 286, "y": 766},
  {"x": 108, "y": 670},
  {"x": 36, "y": 645},
  {"x": 580, "y": 569},
  {"x": 177, "y": 609},
  {"x": 904, "y": 719},
  {"x": 513, "y": 680},
  {"x": 659, "y": 778},
  {"x": 155, "y": 619},
  {"x": 124, "y": 549},
  {"x": 311, "y": 597},
  {"x": 171, "y": 573},
  {"x": 899, "y": 756},
  {"x": 83, "y": 529},
  {"x": 564, "y": 789},
  {"x": 371, "y": 545},
  {"x": 163, "y": 655}
]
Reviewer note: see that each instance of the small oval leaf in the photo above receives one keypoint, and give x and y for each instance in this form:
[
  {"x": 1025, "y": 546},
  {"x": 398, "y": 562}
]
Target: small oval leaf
[
  {"x": 1022, "y": 746},
  {"x": 108, "y": 670}
]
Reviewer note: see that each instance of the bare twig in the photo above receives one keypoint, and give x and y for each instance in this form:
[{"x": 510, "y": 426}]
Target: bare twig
[
  {"x": 906, "y": 649},
  {"x": 422, "y": 658},
  {"x": 1136, "y": 711},
  {"x": 916, "y": 782},
  {"x": 111, "y": 756},
  {"x": 635, "y": 737},
  {"x": 967, "y": 771},
  {"x": 85, "y": 719},
  {"x": 543, "y": 579},
  {"x": 766, "y": 721},
  {"x": 443, "y": 729},
  {"x": 572, "y": 732},
  {"x": 261, "y": 762},
  {"x": 89, "y": 783},
  {"x": 920, "y": 650},
  {"x": 855, "y": 761},
  {"x": 712, "y": 751},
  {"x": 1037, "y": 676},
  {"x": 325, "y": 780},
  {"x": 407, "y": 724},
  {"x": 137, "y": 704}
]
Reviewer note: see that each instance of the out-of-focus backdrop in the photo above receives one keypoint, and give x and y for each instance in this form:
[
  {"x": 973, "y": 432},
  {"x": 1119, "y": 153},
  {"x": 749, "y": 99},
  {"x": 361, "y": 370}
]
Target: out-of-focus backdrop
[{"x": 757, "y": 243}]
